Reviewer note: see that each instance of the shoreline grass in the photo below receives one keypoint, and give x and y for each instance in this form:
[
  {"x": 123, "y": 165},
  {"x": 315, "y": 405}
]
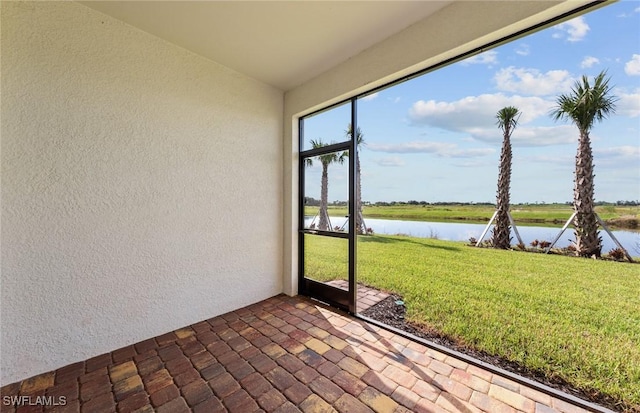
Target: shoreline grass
[
  {"x": 578, "y": 319},
  {"x": 618, "y": 217}
]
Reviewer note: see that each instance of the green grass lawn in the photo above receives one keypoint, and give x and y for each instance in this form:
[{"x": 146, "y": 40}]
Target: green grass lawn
[
  {"x": 575, "y": 318},
  {"x": 549, "y": 214}
]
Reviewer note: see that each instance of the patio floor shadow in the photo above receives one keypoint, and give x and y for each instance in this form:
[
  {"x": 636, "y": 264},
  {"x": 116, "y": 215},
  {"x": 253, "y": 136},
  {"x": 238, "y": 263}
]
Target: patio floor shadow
[{"x": 283, "y": 354}]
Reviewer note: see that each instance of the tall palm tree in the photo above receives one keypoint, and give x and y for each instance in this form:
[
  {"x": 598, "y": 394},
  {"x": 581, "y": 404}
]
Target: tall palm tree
[
  {"x": 584, "y": 105},
  {"x": 325, "y": 160},
  {"x": 507, "y": 121},
  {"x": 360, "y": 229}
]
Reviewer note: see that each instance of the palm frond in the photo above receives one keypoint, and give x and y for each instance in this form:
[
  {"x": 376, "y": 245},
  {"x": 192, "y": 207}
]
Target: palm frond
[
  {"x": 508, "y": 119},
  {"x": 586, "y": 103},
  {"x": 359, "y": 135}
]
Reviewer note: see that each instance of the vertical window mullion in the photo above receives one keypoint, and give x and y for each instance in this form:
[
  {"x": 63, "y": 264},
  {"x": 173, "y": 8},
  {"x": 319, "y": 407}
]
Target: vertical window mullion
[
  {"x": 353, "y": 207},
  {"x": 301, "y": 194}
]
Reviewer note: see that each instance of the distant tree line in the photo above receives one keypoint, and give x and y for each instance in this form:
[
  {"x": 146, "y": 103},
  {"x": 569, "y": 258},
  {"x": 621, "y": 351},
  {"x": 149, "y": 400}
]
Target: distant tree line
[{"x": 310, "y": 201}]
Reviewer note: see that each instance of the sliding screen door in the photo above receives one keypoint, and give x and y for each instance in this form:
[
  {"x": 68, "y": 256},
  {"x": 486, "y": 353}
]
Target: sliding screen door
[{"x": 327, "y": 206}]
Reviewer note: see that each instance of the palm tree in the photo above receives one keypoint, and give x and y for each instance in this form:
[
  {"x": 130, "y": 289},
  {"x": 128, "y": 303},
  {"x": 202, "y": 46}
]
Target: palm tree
[
  {"x": 360, "y": 229},
  {"x": 507, "y": 121},
  {"x": 325, "y": 160},
  {"x": 583, "y": 106}
]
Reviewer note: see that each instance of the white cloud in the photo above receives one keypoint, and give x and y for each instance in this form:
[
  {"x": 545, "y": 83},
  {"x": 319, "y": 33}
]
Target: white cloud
[
  {"x": 390, "y": 161},
  {"x": 573, "y": 30},
  {"x": 523, "y": 50},
  {"x": 632, "y": 67},
  {"x": 370, "y": 97},
  {"x": 410, "y": 147},
  {"x": 530, "y": 81},
  {"x": 620, "y": 157},
  {"x": 486, "y": 58},
  {"x": 628, "y": 152},
  {"x": 628, "y": 104},
  {"x": 525, "y": 136},
  {"x": 468, "y": 153},
  {"x": 441, "y": 149},
  {"x": 636, "y": 10},
  {"x": 476, "y": 116},
  {"x": 555, "y": 159},
  {"x": 473, "y": 164},
  {"x": 475, "y": 111},
  {"x": 617, "y": 157},
  {"x": 589, "y": 61}
]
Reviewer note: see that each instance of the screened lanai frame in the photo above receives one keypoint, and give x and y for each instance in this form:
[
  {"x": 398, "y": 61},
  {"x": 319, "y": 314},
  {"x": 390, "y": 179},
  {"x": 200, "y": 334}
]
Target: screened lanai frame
[{"x": 346, "y": 300}]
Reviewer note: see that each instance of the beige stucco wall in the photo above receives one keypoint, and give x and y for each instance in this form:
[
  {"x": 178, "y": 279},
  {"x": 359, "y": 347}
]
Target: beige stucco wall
[
  {"x": 454, "y": 30},
  {"x": 142, "y": 187}
]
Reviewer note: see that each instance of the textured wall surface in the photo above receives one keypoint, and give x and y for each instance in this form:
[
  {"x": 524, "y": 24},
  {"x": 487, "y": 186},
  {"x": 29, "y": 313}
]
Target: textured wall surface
[{"x": 141, "y": 187}]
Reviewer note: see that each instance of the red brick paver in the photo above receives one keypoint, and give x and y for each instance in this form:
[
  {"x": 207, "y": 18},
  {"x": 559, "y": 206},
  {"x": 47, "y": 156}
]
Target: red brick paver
[
  {"x": 367, "y": 297},
  {"x": 284, "y": 354}
]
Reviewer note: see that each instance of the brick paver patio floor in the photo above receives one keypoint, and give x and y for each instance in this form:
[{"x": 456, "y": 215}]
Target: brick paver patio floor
[
  {"x": 367, "y": 297},
  {"x": 284, "y": 354}
]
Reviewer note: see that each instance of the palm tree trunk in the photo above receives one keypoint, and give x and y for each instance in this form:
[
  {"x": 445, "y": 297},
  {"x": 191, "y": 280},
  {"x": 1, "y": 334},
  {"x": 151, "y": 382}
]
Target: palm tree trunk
[
  {"x": 323, "y": 224},
  {"x": 502, "y": 230},
  {"x": 588, "y": 240},
  {"x": 359, "y": 224}
]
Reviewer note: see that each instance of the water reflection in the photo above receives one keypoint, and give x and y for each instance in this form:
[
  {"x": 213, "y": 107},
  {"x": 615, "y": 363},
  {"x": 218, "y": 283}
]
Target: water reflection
[{"x": 455, "y": 231}]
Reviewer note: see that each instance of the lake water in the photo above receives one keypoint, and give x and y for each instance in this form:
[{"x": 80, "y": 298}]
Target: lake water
[{"x": 455, "y": 231}]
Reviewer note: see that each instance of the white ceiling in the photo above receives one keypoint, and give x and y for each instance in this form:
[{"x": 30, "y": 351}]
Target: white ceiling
[{"x": 281, "y": 43}]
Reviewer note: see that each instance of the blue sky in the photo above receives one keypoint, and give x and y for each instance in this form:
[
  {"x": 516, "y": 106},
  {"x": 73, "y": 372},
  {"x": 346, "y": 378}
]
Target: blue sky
[{"x": 434, "y": 138}]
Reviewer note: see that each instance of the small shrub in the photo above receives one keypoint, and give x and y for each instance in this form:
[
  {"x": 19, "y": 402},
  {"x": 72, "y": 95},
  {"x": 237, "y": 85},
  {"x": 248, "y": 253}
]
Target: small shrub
[
  {"x": 473, "y": 241},
  {"x": 534, "y": 243},
  {"x": 617, "y": 254},
  {"x": 544, "y": 244},
  {"x": 369, "y": 231}
]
